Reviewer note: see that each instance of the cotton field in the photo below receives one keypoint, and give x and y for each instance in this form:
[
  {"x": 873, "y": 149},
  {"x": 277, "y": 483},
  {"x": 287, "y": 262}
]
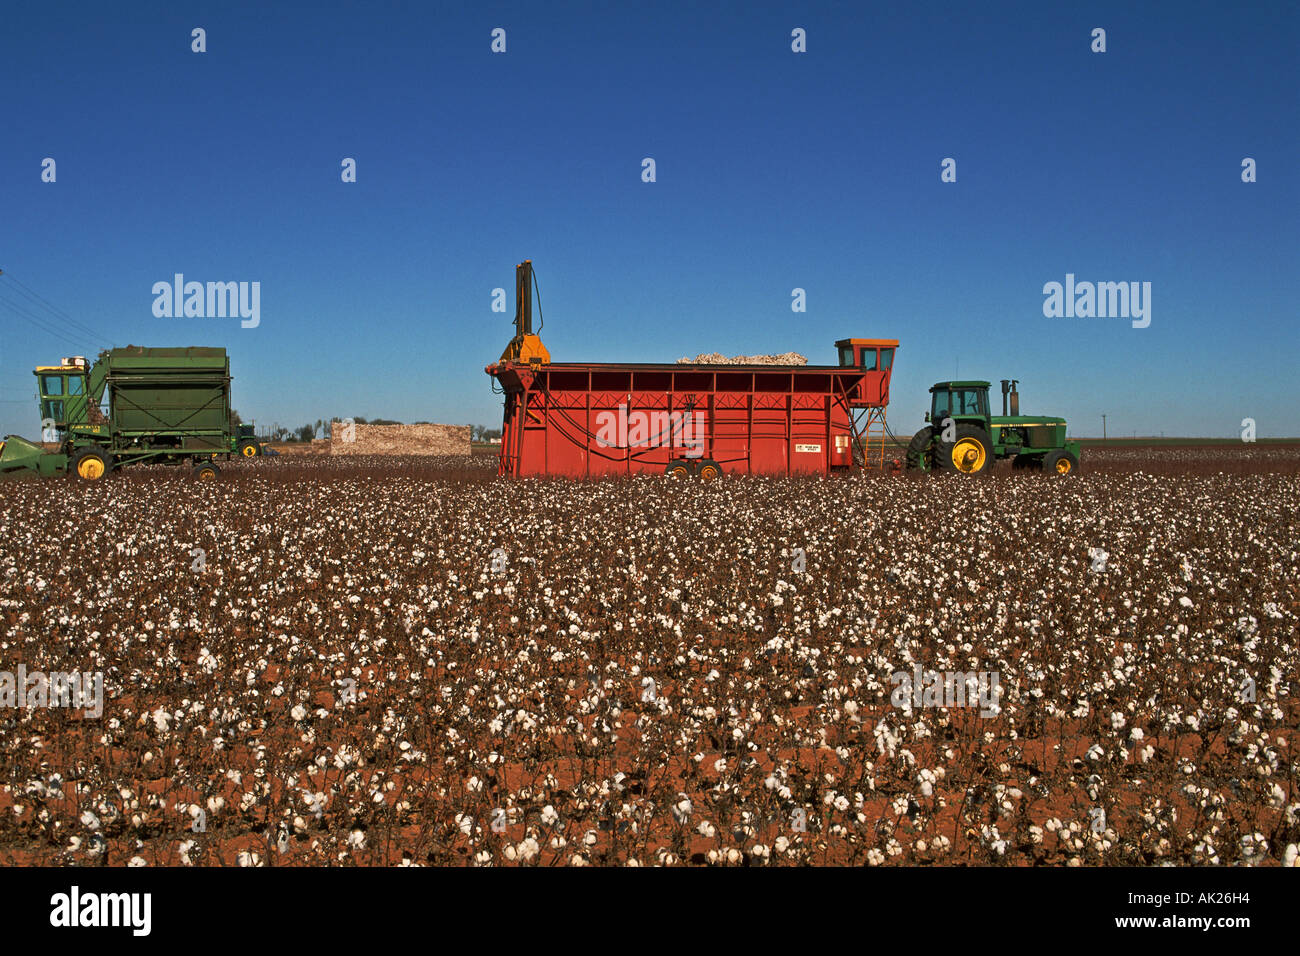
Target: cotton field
[{"x": 412, "y": 662}]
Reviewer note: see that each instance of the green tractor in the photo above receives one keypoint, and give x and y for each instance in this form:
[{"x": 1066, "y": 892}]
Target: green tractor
[{"x": 964, "y": 437}]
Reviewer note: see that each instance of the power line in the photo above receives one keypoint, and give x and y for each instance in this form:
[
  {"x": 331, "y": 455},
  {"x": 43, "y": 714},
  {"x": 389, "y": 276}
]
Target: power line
[
  {"x": 41, "y": 323},
  {"x": 22, "y": 289}
]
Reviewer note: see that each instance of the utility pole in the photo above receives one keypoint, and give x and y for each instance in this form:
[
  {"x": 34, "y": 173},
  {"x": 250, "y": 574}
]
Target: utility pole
[{"x": 1103, "y": 427}]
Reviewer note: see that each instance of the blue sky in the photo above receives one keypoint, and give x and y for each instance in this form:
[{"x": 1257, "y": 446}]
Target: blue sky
[{"x": 775, "y": 170}]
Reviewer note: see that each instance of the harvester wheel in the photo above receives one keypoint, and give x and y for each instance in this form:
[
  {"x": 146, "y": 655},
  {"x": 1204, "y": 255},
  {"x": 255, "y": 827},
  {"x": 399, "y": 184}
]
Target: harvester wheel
[
  {"x": 971, "y": 453},
  {"x": 678, "y": 469},
  {"x": 91, "y": 464},
  {"x": 207, "y": 471},
  {"x": 918, "y": 449},
  {"x": 1060, "y": 463},
  {"x": 249, "y": 448},
  {"x": 710, "y": 471}
]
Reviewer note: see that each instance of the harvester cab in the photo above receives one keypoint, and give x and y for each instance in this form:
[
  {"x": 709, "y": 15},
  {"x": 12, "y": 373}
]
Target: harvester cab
[
  {"x": 526, "y": 346},
  {"x": 964, "y": 436},
  {"x": 63, "y": 390}
]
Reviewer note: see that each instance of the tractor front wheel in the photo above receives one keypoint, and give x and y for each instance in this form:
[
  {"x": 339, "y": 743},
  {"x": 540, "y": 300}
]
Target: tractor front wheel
[
  {"x": 918, "y": 450},
  {"x": 1060, "y": 463},
  {"x": 91, "y": 464},
  {"x": 971, "y": 453}
]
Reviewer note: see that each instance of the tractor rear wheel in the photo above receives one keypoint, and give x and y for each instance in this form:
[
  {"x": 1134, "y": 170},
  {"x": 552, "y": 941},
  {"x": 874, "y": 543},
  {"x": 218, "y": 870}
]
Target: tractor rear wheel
[
  {"x": 91, "y": 464},
  {"x": 249, "y": 448},
  {"x": 1060, "y": 463},
  {"x": 971, "y": 453},
  {"x": 918, "y": 449}
]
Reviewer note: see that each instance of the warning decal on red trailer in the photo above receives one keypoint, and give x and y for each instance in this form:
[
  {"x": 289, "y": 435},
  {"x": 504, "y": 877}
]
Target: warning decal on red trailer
[{"x": 811, "y": 448}]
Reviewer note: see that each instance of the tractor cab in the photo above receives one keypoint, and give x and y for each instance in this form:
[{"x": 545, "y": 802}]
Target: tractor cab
[{"x": 960, "y": 401}]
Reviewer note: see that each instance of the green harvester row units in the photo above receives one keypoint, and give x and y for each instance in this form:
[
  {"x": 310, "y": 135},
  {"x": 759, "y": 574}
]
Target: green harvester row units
[
  {"x": 134, "y": 405},
  {"x": 964, "y": 436}
]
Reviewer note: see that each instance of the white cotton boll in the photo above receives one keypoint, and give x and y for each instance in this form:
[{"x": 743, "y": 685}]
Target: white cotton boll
[
  {"x": 682, "y": 808},
  {"x": 549, "y": 816}
]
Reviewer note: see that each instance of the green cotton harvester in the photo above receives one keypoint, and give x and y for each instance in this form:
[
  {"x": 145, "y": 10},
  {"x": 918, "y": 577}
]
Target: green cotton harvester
[{"x": 134, "y": 405}]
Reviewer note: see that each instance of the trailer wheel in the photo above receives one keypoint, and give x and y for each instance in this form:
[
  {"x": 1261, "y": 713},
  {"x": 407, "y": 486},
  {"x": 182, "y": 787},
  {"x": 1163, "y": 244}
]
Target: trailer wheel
[
  {"x": 971, "y": 453},
  {"x": 91, "y": 464},
  {"x": 249, "y": 448},
  {"x": 918, "y": 450},
  {"x": 678, "y": 469},
  {"x": 207, "y": 471},
  {"x": 1060, "y": 463},
  {"x": 710, "y": 471}
]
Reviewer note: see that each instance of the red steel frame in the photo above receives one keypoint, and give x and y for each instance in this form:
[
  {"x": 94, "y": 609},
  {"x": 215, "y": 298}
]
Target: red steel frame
[{"x": 757, "y": 419}]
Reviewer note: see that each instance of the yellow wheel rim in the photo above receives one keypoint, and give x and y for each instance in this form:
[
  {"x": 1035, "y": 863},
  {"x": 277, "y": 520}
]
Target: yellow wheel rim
[
  {"x": 250, "y": 451},
  {"x": 206, "y": 474},
  {"x": 1063, "y": 466},
  {"x": 969, "y": 455},
  {"x": 90, "y": 468}
]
